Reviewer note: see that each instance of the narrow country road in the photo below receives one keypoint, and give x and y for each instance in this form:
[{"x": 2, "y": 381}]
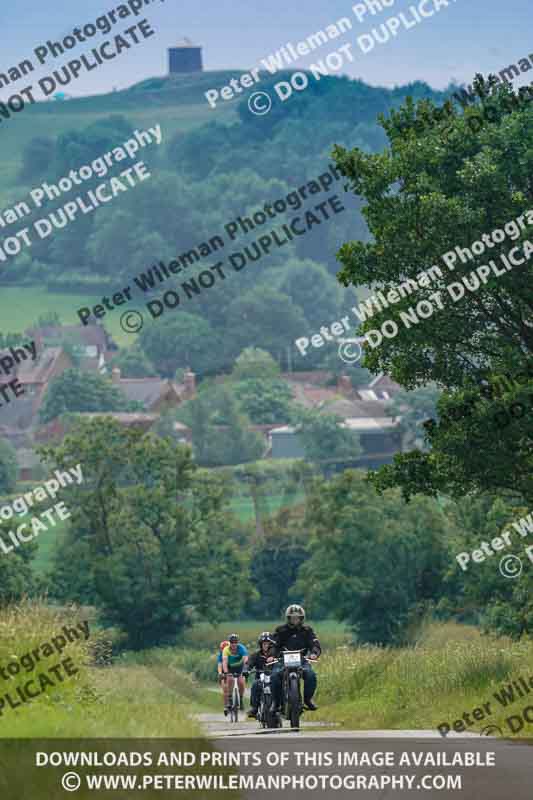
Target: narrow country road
[{"x": 307, "y": 752}]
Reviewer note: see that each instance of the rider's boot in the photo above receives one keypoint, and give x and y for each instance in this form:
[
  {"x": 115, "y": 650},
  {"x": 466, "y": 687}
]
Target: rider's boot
[
  {"x": 309, "y": 705},
  {"x": 252, "y": 712}
]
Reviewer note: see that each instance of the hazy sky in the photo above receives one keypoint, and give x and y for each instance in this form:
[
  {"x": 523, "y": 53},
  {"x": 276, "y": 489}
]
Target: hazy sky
[{"x": 468, "y": 36}]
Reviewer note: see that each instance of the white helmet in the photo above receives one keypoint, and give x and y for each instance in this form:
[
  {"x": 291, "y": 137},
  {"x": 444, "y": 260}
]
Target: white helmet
[{"x": 295, "y": 611}]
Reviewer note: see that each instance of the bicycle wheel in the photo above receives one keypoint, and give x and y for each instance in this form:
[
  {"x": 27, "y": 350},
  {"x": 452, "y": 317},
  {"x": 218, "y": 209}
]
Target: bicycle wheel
[
  {"x": 236, "y": 701},
  {"x": 294, "y": 702}
]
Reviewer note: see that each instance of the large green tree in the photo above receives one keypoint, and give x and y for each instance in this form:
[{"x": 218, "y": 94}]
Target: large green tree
[
  {"x": 133, "y": 363},
  {"x": 324, "y": 439},
  {"x": 375, "y": 562},
  {"x": 264, "y": 401},
  {"x": 310, "y": 286},
  {"x": 75, "y": 390},
  {"x": 478, "y": 592},
  {"x": 254, "y": 363},
  {"x": 36, "y": 157},
  {"x": 437, "y": 187},
  {"x": 17, "y": 579},
  {"x": 220, "y": 430},
  {"x": 146, "y": 542},
  {"x": 262, "y": 309},
  {"x": 182, "y": 340},
  {"x": 276, "y": 558}
]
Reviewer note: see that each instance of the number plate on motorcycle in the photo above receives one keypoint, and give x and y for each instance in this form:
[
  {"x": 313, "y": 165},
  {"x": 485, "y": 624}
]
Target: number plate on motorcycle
[{"x": 292, "y": 659}]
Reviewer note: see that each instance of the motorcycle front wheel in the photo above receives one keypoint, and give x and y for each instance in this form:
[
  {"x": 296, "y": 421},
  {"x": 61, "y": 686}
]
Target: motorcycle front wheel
[{"x": 294, "y": 702}]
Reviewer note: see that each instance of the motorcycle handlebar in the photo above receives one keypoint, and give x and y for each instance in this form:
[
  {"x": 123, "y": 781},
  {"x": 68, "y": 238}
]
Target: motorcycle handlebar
[{"x": 280, "y": 659}]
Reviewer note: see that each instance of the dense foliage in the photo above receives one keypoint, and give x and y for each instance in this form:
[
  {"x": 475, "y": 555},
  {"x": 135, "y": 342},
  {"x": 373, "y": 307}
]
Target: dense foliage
[
  {"x": 146, "y": 542},
  {"x": 8, "y": 467},
  {"x": 133, "y": 363},
  {"x": 220, "y": 431},
  {"x": 150, "y": 542},
  {"x": 375, "y": 562},
  {"x": 189, "y": 200},
  {"x": 324, "y": 438},
  {"x": 264, "y": 401},
  {"x": 426, "y": 194},
  {"x": 75, "y": 390},
  {"x": 182, "y": 340},
  {"x": 17, "y": 578},
  {"x": 276, "y": 559}
]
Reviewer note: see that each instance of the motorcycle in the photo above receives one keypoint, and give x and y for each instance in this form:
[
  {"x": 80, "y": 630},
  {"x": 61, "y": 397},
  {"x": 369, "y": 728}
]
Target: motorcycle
[
  {"x": 266, "y": 715},
  {"x": 291, "y": 694}
]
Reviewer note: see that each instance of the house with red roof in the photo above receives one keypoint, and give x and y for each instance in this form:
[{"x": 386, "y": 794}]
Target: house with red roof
[{"x": 361, "y": 410}]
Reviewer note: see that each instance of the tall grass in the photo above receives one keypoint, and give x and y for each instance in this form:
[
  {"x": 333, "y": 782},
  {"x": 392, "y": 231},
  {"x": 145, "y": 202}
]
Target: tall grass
[
  {"x": 126, "y": 700},
  {"x": 23, "y": 628},
  {"x": 452, "y": 669},
  {"x": 182, "y": 669}
]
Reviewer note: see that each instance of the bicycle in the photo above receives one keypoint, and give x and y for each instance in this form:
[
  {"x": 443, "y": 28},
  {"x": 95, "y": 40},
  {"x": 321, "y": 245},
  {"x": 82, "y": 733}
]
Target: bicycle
[{"x": 235, "y": 699}]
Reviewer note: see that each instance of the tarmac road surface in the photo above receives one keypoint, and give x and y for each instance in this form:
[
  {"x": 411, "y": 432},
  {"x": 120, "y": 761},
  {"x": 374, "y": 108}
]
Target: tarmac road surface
[{"x": 510, "y": 778}]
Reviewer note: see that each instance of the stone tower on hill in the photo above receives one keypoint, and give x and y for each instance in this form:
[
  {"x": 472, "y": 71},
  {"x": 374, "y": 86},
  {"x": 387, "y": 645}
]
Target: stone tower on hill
[{"x": 185, "y": 57}]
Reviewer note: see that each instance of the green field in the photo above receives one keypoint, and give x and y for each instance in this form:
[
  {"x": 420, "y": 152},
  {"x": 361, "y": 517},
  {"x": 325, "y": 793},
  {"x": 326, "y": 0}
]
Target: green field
[
  {"x": 48, "y": 542},
  {"x": 23, "y": 305},
  {"x": 243, "y": 507}
]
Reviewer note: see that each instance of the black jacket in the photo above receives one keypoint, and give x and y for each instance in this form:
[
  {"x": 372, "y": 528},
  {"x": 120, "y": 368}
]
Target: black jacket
[
  {"x": 257, "y": 661},
  {"x": 301, "y": 638}
]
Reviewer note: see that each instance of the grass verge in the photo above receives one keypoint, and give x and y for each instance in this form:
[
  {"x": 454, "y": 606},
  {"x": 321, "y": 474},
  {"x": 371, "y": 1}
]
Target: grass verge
[
  {"x": 127, "y": 700},
  {"x": 451, "y": 670}
]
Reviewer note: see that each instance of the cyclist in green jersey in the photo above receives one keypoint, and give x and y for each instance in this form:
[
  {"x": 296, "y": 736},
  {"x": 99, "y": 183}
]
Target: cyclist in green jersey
[{"x": 235, "y": 660}]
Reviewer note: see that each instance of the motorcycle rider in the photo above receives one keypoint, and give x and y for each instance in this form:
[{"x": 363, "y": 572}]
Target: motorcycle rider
[
  {"x": 258, "y": 661},
  {"x": 294, "y": 635},
  {"x": 235, "y": 659}
]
